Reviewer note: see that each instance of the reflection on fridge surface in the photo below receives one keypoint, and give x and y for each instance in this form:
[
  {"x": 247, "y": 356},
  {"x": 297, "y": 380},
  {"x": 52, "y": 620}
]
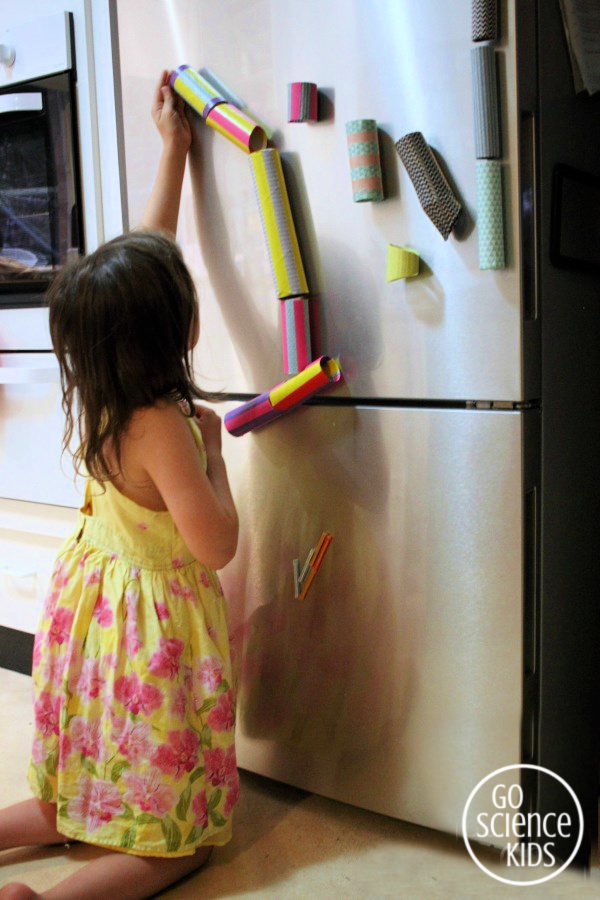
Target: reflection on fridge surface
[
  {"x": 402, "y": 664},
  {"x": 399, "y": 681}
]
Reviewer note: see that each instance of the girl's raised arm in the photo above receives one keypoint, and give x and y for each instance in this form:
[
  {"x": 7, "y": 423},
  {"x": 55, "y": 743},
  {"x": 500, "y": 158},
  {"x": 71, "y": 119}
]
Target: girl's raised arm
[{"x": 168, "y": 112}]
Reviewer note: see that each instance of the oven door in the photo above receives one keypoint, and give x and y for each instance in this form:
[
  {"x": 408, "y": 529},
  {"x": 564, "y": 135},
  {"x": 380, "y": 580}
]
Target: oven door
[
  {"x": 40, "y": 215},
  {"x": 32, "y": 465}
]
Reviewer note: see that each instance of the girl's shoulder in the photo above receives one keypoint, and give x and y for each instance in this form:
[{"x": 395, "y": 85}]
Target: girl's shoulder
[
  {"x": 156, "y": 436},
  {"x": 162, "y": 416}
]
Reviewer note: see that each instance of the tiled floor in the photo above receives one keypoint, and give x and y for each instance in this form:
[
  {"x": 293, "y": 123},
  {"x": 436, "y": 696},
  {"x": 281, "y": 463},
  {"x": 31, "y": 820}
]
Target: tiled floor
[{"x": 286, "y": 844}]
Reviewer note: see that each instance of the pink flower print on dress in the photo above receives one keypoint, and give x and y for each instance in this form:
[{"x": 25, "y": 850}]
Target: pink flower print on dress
[
  {"x": 221, "y": 717},
  {"x": 37, "y": 650},
  {"x": 137, "y": 698},
  {"x": 233, "y": 795},
  {"x": 93, "y": 577},
  {"x": 65, "y": 748},
  {"x": 179, "y": 703},
  {"x": 162, "y": 611},
  {"x": 164, "y": 662},
  {"x": 109, "y": 661},
  {"x": 38, "y": 751},
  {"x": 83, "y": 559},
  {"x": 132, "y": 738},
  {"x": 179, "y": 755},
  {"x": 210, "y": 672},
  {"x": 102, "y": 611},
  {"x": 90, "y": 682},
  {"x": 47, "y": 713},
  {"x": 133, "y": 642},
  {"x": 177, "y": 562},
  {"x": 60, "y": 626},
  {"x": 181, "y": 590},
  {"x": 135, "y": 572},
  {"x": 143, "y": 526},
  {"x": 53, "y": 669},
  {"x": 204, "y": 580},
  {"x": 200, "y": 810},
  {"x": 221, "y": 767},
  {"x": 59, "y": 575},
  {"x": 87, "y": 737},
  {"x": 50, "y": 602},
  {"x": 97, "y": 803},
  {"x": 149, "y": 793}
]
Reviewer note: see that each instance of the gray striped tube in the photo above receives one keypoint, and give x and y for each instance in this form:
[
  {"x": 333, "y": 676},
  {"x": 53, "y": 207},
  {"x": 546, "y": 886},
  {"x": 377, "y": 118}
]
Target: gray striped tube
[{"x": 486, "y": 112}]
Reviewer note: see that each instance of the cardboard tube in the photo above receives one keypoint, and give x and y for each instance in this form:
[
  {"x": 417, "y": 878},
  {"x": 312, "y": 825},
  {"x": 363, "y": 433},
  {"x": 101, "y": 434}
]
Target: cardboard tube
[
  {"x": 434, "y": 193},
  {"x": 401, "y": 263},
  {"x": 295, "y": 334},
  {"x": 490, "y": 217},
  {"x": 486, "y": 112},
  {"x": 484, "y": 20},
  {"x": 283, "y": 397},
  {"x": 302, "y": 101},
  {"x": 278, "y": 224},
  {"x": 365, "y": 164},
  {"x": 225, "y": 118}
]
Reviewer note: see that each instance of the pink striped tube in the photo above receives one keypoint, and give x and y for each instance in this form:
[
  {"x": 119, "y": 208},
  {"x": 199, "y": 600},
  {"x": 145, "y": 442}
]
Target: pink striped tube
[
  {"x": 295, "y": 334},
  {"x": 302, "y": 102}
]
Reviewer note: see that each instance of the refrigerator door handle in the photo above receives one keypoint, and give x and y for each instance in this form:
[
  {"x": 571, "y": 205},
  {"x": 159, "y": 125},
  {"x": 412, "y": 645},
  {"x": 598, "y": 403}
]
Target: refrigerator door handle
[{"x": 528, "y": 175}]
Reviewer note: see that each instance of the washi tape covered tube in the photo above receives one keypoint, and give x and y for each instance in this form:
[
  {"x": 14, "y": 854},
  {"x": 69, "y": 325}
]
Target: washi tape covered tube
[
  {"x": 490, "y": 217},
  {"x": 230, "y": 121},
  {"x": 295, "y": 334},
  {"x": 486, "y": 112},
  {"x": 434, "y": 193},
  {"x": 365, "y": 163},
  {"x": 278, "y": 224},
  {"x": 401, "y": 263},
  {"x": 283, "y": 397},
  {"x": 302, "y": 101},
  {"x": 484, "y": 20}
]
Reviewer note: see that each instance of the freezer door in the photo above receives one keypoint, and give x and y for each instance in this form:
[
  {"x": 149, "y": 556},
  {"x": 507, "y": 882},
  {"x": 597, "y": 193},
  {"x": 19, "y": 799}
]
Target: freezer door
[
  {"x": 453, "y": 331},
  {"x": 395, "y": 685}
]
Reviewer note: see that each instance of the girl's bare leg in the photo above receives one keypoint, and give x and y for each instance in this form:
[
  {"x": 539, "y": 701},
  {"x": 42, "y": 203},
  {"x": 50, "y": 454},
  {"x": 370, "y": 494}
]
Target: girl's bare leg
[
  {"x": 30, "y": 822},
  {"x": 116, "y": 875}
]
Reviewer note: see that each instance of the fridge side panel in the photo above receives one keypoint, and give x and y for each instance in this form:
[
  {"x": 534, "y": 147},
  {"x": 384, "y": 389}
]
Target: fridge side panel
[
  {"x": 569, "y": 739},
  {"x": 395, "y": 684}
]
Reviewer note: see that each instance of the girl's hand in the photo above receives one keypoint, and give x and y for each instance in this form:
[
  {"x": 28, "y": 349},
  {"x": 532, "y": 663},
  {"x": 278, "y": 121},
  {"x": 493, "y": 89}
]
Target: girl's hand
[
  {"x": 210, "y": 426},
  {"x": 168, "y": 112}
]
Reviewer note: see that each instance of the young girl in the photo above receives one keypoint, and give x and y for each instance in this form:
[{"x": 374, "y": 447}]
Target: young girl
[{"x": 134, "y": 713}]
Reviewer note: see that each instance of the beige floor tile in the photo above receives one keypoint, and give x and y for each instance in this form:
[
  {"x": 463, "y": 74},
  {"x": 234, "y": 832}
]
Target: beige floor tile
[{"x": 287, "y": 844}]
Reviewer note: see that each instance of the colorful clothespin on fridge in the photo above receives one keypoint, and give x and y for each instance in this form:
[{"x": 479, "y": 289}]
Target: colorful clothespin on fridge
[{"x": 304, "y": 578}]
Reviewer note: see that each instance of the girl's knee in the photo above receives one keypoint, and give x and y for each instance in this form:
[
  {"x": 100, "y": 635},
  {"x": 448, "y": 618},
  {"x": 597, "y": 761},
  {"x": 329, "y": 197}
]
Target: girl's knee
[{"x": 16, "y": 891}]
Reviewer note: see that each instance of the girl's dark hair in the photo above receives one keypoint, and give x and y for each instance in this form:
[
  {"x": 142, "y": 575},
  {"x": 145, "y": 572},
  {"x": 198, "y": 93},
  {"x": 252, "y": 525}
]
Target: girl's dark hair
[{"x": 121, "y": 322}]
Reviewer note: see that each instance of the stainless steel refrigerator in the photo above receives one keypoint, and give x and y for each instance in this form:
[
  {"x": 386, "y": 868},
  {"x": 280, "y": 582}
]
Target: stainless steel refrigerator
[{"x": 452, "y": 628}]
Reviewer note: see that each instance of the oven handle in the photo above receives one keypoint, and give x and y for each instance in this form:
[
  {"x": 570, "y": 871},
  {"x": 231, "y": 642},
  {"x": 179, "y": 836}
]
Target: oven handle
[{"x": 16, "y": 375}]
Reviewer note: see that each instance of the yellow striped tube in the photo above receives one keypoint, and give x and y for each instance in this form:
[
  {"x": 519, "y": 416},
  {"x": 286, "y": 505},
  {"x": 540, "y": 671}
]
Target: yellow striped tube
[
  {"x": 194, "y": 89},
  {"x": 313, "y": 378},
  {"x": 278, "y": 224}
]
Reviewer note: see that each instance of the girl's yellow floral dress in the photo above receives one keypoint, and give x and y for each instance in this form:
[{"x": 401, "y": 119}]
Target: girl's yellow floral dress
[{"x": 134, "y": 706}]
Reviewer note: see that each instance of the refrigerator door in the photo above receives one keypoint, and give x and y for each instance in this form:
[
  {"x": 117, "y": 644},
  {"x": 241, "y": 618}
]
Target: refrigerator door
[
  {"x": 395, "y": 684},
  {"x": 453, "y": 331}
]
